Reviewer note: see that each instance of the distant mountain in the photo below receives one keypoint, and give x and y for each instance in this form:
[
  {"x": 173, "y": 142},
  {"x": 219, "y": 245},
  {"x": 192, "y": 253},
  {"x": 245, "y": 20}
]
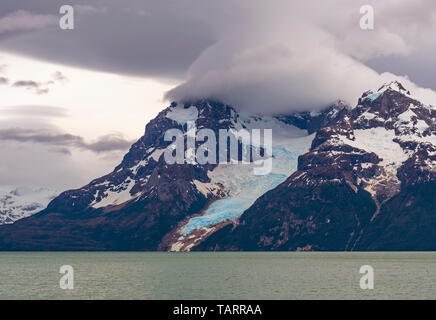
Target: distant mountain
[
  {"x": 22, "y": 202},
  {"x": 343, "y": 178}
]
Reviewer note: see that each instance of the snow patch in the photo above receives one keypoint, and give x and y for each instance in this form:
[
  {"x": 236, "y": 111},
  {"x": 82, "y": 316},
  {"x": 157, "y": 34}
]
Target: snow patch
[
  {"x": 380, "y": 141},
  {"x": 116, "y": 196},
  {"x": 182, "y": 115},
  {"x": 406, "y": 116},
  {"x": 156, "y": 154}
]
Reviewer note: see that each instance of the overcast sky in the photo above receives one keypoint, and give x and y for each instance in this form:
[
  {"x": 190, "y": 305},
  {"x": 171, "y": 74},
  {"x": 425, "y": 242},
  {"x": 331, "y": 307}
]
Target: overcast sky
[{"x": 72, "y": 101}]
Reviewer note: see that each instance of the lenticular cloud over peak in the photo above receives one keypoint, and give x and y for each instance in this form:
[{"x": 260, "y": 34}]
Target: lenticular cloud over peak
[{"x": 279, "y": 63}]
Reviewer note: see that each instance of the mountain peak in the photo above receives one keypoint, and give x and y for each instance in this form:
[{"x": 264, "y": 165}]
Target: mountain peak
[
  {"x": 393, "y": 90},
  {"x": 394, "y": 86}
]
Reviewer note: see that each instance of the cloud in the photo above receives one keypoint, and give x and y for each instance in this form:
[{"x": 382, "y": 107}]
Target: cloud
[
  {"x": 22, "y": 20},
  {"x": 37, "y": 87},
  {"x": 4, "y": 80},
  {"x": 87, "y": 9},
  {"x": 38, "y": 153},
  {"x": 107, "y": 143},
  {"x": 59, "y": 77},
  {"x": 30, "y": 165},
  {"x": 42, "y": 91},
  {"x": 293, "y": 57},
  {"x": 61, "y": 150},
  {"x": 370, "y": 45},
  {"x": 58, "y": 168},
  {"x": 26, "y": 84},
  {"x": 34, "y": 111}
]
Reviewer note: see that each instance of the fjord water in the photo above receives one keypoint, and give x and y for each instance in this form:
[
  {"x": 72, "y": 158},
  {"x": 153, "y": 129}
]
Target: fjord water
[{"x": 213, "y": 275}]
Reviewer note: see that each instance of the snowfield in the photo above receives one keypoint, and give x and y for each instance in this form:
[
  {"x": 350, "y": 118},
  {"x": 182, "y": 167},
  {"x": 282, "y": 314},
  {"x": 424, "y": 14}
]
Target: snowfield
[{"x": 23, "y": 202}]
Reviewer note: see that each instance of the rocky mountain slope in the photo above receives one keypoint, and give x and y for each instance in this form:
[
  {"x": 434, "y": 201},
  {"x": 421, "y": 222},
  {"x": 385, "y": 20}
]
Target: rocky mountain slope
[{"x": 344, "y": 178}]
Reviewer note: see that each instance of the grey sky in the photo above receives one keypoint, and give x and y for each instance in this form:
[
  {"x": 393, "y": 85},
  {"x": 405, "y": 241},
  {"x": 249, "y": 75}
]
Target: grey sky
[{"x": 36, "y": 153}]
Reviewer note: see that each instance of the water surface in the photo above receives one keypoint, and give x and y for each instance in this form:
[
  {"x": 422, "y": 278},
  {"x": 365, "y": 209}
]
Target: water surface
[{"x": 232, "y": 275}]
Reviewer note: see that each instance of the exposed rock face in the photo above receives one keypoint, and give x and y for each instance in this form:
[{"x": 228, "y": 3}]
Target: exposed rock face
[{"x": 359, "y": 178}]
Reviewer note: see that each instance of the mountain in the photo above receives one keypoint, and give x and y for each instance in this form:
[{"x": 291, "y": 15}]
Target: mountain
[
  {"x": 343, "y": 178},
  {"x": 367, "y": 183},
  {"x": 146, "y": 204},
  {"x": 23, "y": 202}
]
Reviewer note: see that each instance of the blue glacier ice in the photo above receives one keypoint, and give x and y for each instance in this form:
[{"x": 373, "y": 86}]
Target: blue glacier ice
[{"x": 247, "y": 187}]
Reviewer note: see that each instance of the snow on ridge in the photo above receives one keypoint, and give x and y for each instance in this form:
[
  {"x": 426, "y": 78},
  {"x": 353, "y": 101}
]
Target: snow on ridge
[
  {"x": 182, "y": 115},
  {"x": 406, "y": 116},
  {"x": 206, "y": 188},
  {"x": 136, "y": 167},
  {"x": 116, "y": 195},
  {"x": 156, "y": 154},
  {"x": 393, "y": 85}
]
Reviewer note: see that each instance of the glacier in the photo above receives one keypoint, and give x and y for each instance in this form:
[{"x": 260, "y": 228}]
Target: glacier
[{"x": 289, "y": 143}]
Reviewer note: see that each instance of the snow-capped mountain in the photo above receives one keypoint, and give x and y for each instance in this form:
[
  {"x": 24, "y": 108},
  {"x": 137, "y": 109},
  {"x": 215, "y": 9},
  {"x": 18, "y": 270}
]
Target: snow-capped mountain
[
  {"x": 147, "y": 204},
  {"x": 23, "y": 202},
  {"x": 342, "y": 179},
  {"x": 345, "y": 193}
]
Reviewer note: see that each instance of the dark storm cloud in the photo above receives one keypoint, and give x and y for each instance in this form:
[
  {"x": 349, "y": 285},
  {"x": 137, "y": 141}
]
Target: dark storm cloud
[
  {"x": 150, "y": 38},
  {"x": 107, "y": 143}
]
